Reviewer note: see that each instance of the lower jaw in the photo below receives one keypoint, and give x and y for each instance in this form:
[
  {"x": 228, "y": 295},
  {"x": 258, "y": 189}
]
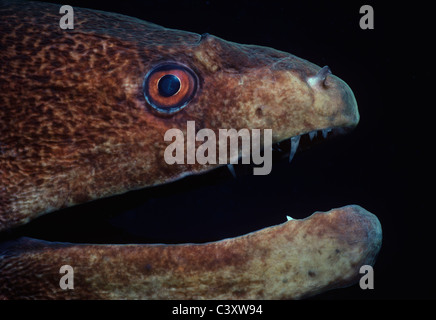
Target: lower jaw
[{"x": 293, "y": 260}]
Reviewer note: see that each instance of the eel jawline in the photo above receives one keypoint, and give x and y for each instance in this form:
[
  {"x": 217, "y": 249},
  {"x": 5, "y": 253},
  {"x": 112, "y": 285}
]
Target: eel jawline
[{"x": 296, "y": 259}]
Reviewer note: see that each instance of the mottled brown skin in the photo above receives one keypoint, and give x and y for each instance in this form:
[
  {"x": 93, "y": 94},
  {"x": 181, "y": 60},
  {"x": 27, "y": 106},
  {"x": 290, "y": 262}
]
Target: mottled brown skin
[
  {"x": 288, "y": 261},
  {"x": 74, "y": 123}
]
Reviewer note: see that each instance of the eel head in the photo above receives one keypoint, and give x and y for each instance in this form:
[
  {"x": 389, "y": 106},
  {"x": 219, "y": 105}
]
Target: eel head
[{"x": 84, "y": 112}]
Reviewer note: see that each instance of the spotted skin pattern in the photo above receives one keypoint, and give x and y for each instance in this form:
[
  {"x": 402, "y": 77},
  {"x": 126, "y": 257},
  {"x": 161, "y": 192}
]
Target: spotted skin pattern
[{"x": 74, "y": 123}]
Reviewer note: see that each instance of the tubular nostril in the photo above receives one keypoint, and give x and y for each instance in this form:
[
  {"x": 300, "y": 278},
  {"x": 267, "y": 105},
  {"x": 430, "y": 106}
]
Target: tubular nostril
[
  {"x": 320, "y": 78},
  {"x": 323, "y": 73}
]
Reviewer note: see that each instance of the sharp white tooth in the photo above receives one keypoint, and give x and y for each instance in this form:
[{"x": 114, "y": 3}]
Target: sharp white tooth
[
  {"x": 325, "y": 132},
  {"x": 294, "y": 145},
  {"x": 232, "y": 170},
  {"x": 289, "y": 218},
  {"x": 312, "y": 135}
]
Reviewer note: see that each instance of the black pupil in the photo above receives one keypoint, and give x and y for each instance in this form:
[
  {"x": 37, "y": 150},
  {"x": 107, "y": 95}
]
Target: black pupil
[{"x": 168, "y": 85}]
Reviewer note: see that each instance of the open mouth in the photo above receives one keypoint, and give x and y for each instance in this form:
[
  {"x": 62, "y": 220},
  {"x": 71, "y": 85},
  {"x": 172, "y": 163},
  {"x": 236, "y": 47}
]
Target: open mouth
[
  {"x": 223, "y": 203},
  {"x": 200, "y": 211}
]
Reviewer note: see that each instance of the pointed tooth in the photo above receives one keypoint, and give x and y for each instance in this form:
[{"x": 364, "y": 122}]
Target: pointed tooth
[
  {"x": 294, "y": 145},
  {"x": 232, "y": 170},
  {"x": 312, "y": 135},
  {"x": 289, "y": 218},
  {"x": 325, "y": 132}
]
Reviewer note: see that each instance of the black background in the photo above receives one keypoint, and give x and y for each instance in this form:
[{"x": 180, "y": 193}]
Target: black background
[{"x": 383, "y": 165}]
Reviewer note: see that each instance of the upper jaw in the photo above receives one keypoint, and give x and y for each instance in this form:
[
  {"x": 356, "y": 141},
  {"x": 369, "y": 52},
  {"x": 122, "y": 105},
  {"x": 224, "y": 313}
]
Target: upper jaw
[{"x": 329, "y": 107}]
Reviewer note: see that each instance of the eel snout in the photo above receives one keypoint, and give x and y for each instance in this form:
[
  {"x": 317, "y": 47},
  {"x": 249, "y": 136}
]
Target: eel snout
[{"x": 333, "y": 99}]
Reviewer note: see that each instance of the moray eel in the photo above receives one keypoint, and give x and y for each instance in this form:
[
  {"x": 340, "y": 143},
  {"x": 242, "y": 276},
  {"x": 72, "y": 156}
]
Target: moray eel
[{"x": 83, "y": 115}]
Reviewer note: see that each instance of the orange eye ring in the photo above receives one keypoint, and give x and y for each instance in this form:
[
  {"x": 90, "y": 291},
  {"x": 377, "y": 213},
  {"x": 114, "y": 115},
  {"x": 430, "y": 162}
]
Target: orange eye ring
[{"x": 169, "y": 87}]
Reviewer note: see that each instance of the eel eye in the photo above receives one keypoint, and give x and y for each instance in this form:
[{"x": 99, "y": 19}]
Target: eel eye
[{"x": 169, "y": 87}]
